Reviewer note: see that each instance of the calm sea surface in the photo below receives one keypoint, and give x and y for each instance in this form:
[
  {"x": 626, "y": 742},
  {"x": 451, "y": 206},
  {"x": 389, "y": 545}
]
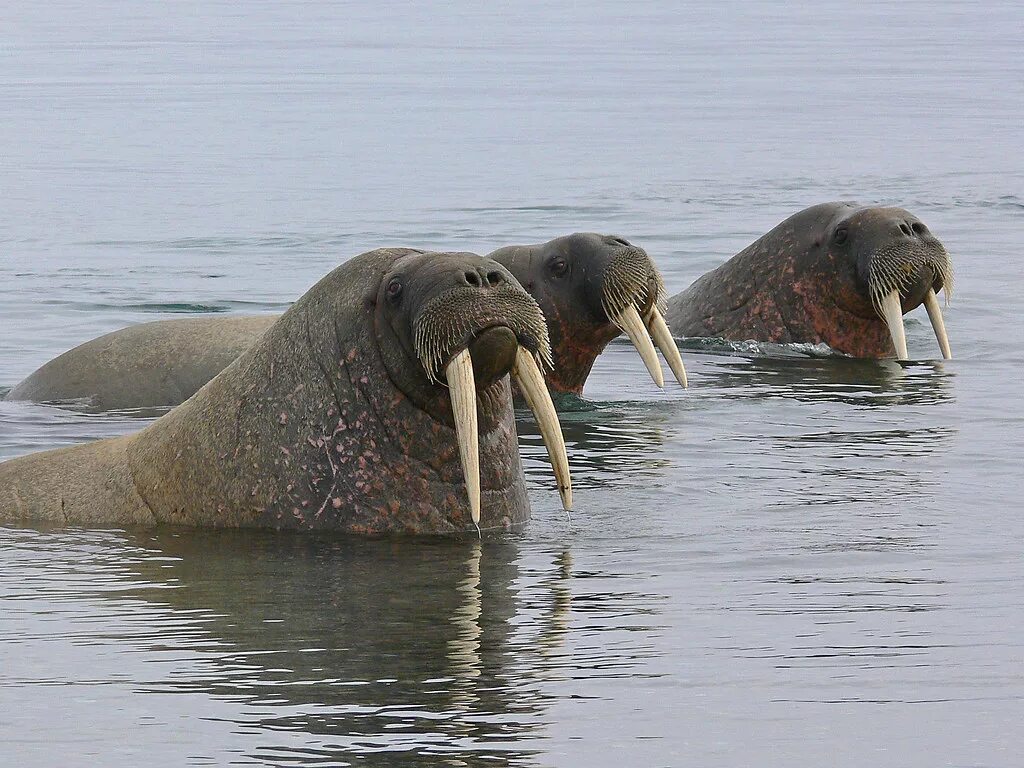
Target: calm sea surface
[{"x": 797, "y": 562}]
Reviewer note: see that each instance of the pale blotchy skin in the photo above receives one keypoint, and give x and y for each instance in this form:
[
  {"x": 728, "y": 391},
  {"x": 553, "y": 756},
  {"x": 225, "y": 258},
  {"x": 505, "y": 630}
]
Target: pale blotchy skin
[
  {"x": 818, "y": 277},
  {"x": 329, "y": 421},
  {"x": 576, "y": 279}
]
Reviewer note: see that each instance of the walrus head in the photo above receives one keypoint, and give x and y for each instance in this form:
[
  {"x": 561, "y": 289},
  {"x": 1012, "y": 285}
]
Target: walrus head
[
  {"x": 462, "y": 322},
  {"x": 885, "y": 262},
  {"x": 591, "y": 288}
]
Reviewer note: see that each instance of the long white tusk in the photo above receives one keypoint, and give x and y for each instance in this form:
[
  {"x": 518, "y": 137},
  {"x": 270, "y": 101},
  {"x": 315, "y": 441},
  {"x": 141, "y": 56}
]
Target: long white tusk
[
  {"x": 531, "y": 384},
  {"x": 462, "y": 390},
  {"x": 892, "y": 313},
  {"x": 931, "y": 303},
  {"x": 663, "y": 338},
  {"x": 629, "y": 321}
]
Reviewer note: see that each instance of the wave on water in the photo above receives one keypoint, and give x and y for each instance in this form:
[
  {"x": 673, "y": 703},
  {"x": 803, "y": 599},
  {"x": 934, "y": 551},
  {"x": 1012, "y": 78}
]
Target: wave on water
[{"x": 717, "y": 345}]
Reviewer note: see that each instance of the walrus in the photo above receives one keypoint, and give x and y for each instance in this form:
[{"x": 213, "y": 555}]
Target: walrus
[
  {"x": 590, "y": 287},
  {"x": 146, "y": 365},
  {"x": 379, "y": 403},
  {"x": 837, "y": 273}
]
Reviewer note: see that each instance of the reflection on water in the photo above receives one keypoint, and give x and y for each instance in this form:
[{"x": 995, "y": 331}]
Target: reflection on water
[
  {"x": 325, "y": 647},
  {"x": 611, "y": 445},
  {"x": 867, "y": 383}
]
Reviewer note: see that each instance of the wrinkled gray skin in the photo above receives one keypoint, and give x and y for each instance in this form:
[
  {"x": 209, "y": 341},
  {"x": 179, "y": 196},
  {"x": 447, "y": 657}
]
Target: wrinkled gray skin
[
  {"x": 329, "y": 421},
  {"x": 164, "y": 363}
]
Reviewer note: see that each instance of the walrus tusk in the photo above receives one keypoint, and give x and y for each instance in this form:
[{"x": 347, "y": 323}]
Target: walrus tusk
[
  {"x": 663, "y": 338},
  {"x": 629, "y": 321},
  {"x": 462, "y": 390},
  {"x": 892, "y": 313},
  {"x": 931, "y": 303},
  {"x": 531, "y": 384}
]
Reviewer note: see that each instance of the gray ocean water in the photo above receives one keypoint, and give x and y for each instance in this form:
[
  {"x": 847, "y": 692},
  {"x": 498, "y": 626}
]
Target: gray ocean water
[{"x": 797, "y": 561}]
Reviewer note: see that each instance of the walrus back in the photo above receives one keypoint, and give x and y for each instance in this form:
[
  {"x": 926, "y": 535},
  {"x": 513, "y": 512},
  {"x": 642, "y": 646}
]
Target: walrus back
[
  {"x": 87, "y": 485},
  {"x": 147, "y": 365},
  {"x": 697, "y": 310}
]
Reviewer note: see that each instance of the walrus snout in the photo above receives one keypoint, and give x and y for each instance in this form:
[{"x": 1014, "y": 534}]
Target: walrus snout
[
  {"x": 907, "y": 270},
  {"x": 493, "y": 352},
  {"x": 483, "y": 278},
  {"x": 633, "y": 298}
]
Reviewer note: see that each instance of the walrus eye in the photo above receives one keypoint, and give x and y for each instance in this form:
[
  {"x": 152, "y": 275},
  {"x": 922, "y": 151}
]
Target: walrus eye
[
  {"x": 559, "y": 267},
  {"x": 395, "y": 289},
  {"x": 840, "y": 236}
]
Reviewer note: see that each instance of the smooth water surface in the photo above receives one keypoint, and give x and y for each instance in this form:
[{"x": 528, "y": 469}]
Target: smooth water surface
[{"x": 798, "y": 561}]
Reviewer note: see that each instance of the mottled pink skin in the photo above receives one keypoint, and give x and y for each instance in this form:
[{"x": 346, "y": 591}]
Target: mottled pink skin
[
  {"x": 310, "y": 430},
  {"x": 576, "y": 341},
  {"x": 796, "y": 285}
]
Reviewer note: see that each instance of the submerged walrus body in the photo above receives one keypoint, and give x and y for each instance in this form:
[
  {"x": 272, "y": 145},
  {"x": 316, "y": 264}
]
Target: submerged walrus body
[
  {"x": 146, "y": 365},
  {"x": 336, "y": 418},
  {"x": 837, "y": 273},
  {"x": 590, "y": 288}
]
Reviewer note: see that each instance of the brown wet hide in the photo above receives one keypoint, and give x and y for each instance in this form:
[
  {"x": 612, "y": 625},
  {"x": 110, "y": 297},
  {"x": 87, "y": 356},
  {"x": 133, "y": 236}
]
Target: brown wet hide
[
  {"x": 305, "y": 430},
  {"x": 146, "y": 365}
]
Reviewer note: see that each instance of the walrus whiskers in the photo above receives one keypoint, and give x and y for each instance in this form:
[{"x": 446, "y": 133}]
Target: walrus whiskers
[
  {"x": 891, "y": 272},
  {"x": 629, "y": 284},
  {"x": 436, "y": 334}
]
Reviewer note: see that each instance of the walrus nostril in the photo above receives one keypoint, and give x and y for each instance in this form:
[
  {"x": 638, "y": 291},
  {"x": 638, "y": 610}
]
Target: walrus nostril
[
  {"x": 919, "y": 228},
  {"x": 472, "y": 278},
  {"x": 494, "y": 278},
  {"x": 615, "y": 240},
  {"x": 905, "y": 229}
]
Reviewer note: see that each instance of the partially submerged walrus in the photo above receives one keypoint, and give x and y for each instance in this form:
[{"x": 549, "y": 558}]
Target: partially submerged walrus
[
  {"x": 590, "y": 288},
  {"x": 837, "y": 273},
  {"x": 379, "y": 403}
]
